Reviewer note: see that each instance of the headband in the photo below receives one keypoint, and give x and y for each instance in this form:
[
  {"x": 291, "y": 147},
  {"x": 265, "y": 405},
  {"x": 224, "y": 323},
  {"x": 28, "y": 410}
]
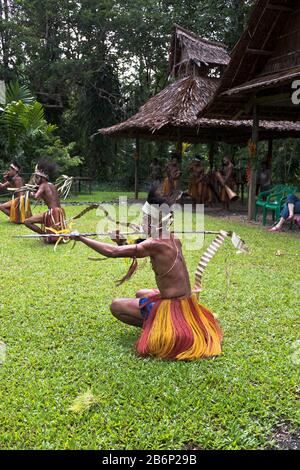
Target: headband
[
  {"x": 14, "y": 167},
  {"x": 41, "y": 173},
  {"x": 153, "y": 211}
]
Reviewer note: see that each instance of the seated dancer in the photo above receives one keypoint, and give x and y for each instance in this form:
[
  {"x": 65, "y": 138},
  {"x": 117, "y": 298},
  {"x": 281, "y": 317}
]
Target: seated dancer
[
  {"x": 172, "y": 169},
  {"x": 18, "y": 209},
  {"x": 54, "y": 220},
  {"x": 174, "y": 325},
  {"x": 291, "y": 208}
]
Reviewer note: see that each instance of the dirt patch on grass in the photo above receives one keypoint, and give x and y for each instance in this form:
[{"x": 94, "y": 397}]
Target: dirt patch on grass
[
  {"x": 192, "y": 446},
  {"x": 286, "y": 439}
]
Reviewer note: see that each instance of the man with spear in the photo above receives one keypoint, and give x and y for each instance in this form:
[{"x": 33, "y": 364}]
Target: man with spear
[
  {"x": 174, "y": 325},
  {"x": 52, "y": 221},
  {"x": 18, "y": 208}
]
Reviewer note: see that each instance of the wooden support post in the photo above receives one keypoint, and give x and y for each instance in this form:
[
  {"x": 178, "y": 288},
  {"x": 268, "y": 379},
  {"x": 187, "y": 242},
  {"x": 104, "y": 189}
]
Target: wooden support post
[
  {"x": 179, "y": 151},
  {"x": 270, "y": 153},
  {"x": 211, "y": 155},
  {"x": 136, "y": 171},
  {"x": 253, "y": 164}
]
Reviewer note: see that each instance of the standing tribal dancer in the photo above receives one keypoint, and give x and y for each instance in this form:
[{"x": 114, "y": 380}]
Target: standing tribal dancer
[
  {"x": 173, "y": 172},
  {"x": 54, "y": 220},
  {"x": 199, "y": 189},
  {"x": 174, "y": 325},
  {"x": 226, "y": 172},
  {"x": 196, "y": 173},
  {"x": 18, "y": 209}
]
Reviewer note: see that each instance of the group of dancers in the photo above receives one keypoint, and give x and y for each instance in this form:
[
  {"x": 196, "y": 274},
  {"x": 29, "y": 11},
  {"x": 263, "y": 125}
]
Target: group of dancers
[
  {"x": 206, "y": 188},
  {"x": 174, "y": 325},
  {"x": 203, "y": 188},
  {"x": 18, "y": 209}
]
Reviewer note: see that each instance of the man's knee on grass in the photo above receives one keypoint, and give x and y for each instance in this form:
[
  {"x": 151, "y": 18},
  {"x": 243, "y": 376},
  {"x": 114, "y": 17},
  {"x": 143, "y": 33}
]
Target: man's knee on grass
[
  {"x": 27, "y": 222},
  {"x": 4, "y": 206},
  {"x": 142, "y": 293},
  {"x": 116, "y": 308},
  {"x": 145, "y": 293},
  {"x": 5, "y": 209}
]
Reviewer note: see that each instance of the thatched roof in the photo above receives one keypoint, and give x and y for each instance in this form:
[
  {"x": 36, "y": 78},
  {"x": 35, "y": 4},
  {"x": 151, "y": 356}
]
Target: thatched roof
[
  {"x": 189, "y": 49},
  {"x": 172, "y": 115},
  {"x": 264, "y": 63}
]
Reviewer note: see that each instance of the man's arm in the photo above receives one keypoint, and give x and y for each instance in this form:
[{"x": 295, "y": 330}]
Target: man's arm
[
  {"x": 141, "y": 250},
  {"x": 228, "y": 173},
  {"x": 4, "y": 185},
  {"x": 40, "y": 192}
]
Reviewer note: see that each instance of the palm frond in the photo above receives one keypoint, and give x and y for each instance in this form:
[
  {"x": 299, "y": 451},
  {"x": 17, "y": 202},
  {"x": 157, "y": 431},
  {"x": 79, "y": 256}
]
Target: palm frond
[
  {"x": 33, "y": 118},
  {"x": 17, "y": 92}
]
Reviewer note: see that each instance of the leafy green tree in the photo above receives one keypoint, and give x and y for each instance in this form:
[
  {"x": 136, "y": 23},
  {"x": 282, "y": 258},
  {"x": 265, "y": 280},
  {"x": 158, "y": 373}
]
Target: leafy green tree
[
  {"x": 25, "y": 132},
  {"x": 92, "y": 63}
]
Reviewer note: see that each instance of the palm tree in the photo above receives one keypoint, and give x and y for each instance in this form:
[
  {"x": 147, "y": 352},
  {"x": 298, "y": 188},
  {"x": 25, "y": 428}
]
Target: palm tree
[{"x": 21, "y": 120}]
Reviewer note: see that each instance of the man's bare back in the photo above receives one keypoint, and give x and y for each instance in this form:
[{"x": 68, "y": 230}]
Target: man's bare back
[
  {"x": 170, "y": 269},
  {"x": 48, "y": 193}
]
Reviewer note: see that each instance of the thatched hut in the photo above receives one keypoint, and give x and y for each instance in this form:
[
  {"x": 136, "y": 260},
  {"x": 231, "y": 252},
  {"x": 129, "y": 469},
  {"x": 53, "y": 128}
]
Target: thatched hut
[
  {"x": 259, "y": 81},
  {"x": 263, "y": 66},
  {"x": 192, "y": 55},
  {"x": 172, "y": 114}
]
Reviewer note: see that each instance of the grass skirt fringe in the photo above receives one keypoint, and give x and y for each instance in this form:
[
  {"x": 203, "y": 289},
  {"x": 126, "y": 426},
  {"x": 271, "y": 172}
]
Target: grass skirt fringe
[
  {"x": 20, "y": 209},
  {"x": 54, "y": 222},
  {"x": 180, "y": 329}
]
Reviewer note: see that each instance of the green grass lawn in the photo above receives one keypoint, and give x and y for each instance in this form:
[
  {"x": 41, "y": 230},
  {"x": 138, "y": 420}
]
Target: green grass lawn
[
  {"x": 62, "y": 342},
  {"x": 96, "y": 196},
  {"x": 102, "y": 196}
]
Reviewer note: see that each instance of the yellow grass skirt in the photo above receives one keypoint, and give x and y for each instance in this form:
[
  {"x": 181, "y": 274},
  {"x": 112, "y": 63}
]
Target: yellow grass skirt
[{"x": 20, "y": 209}]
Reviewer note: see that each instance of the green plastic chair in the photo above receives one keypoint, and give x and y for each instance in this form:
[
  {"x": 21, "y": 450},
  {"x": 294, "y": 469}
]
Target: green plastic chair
[
  {"x": 261, "y": 199},
  {"x": 275, "y": 203},
  {"x": 291, "y": 189}
]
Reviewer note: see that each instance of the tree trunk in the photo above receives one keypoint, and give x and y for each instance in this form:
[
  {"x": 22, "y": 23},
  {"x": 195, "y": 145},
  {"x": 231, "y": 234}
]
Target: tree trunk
[
  {"x": 136, "y": 171},
  {"x": 253, "y": 162},
  {"x": 4, "y": 17}
]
